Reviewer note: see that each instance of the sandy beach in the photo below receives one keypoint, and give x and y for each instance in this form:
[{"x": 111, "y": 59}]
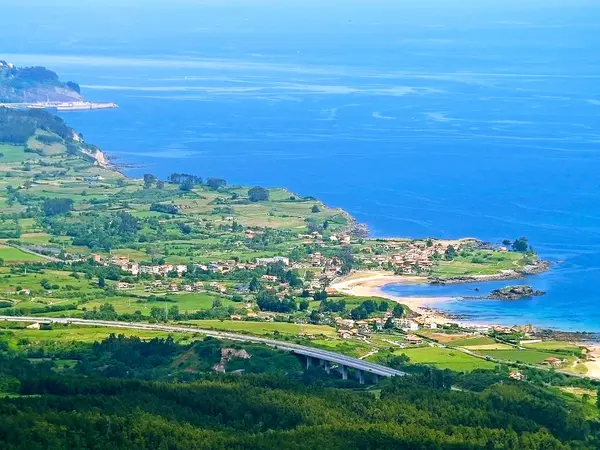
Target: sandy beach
[
  {"x": 593, "y": 366},
  {"x": 371, "y": 283}
]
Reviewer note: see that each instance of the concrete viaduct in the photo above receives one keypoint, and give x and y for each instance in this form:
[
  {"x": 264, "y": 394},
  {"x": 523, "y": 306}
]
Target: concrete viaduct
[{"x": 314, "y": 356}]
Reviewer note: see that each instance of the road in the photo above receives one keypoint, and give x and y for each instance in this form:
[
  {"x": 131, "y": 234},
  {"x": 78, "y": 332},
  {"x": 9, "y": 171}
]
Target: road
[{"x": 331, "y": 357}]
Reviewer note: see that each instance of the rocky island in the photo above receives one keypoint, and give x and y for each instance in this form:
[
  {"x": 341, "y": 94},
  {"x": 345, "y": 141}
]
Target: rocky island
[{"x": 515, "y": 293}]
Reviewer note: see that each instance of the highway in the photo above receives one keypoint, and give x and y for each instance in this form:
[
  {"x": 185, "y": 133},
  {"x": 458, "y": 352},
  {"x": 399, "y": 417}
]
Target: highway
[{"x": 317, "y": 354}]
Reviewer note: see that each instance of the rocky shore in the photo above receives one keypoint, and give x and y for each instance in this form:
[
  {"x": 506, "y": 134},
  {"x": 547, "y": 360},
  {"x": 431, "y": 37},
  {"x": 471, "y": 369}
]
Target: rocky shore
[{"x": 515, "y": 293}]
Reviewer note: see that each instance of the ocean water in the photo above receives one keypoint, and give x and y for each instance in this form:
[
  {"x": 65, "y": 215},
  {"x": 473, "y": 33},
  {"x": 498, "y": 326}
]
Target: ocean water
[{"x": 429, "y": 118}]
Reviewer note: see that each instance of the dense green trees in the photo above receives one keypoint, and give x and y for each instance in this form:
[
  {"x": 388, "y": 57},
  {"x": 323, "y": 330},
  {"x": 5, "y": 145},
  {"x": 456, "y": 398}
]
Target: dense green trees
[
  {"x": 268, "y": 301},
  {"x": 178, "y": 178},
  {"x": 258, "y": 194},
  {"x": 367, "y": 308},
  {"x": 57, "y": 206},
  {"x": 98, "y": 231},
  {"x": 216, "y": 183},
  {"x": 273, "y": 412},
  {"x": 17, "y": 126},
  {"x": 450, "y": 253},
  {"x": 28, "y": 76},
  {"x": 111, "y": 399},
  {"x": 521, "y": 244},
  {"x": 398, "y": 310},
  {"x": 167, "y": 208},
  {"x": 73, "y": 86}
]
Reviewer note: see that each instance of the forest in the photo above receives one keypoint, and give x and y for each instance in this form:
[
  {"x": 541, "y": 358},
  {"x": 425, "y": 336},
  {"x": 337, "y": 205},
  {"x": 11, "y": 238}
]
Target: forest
[
  {"x": 16, "y": 127},
  {"x": 16, "y": 81},
  {"x": 112, "y": 398}
]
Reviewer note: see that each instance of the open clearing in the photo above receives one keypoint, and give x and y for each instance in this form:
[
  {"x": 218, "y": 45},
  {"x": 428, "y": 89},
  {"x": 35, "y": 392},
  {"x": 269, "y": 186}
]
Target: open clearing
[
  {"x": 12, "y": 255},
  {"x": 445, "y": 358}
]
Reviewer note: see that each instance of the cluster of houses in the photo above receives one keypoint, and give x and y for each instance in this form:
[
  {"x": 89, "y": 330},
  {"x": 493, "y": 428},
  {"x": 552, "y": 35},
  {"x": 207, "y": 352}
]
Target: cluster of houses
[
  {"x": 317, "y": 238},
  {"x": 407, "y": 257},
  {"x": 348, "y": 328},
  {"x": 220, "y": 267},
  {"x": 136, "y": 269}
]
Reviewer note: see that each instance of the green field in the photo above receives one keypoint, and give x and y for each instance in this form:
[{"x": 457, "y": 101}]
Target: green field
[
  {"x": 264, "y": 328},
  {"x": 80, "y": 334},
  {"x": 185, "y": 302},
  {"x": 496, "y": 346},
  {"x": 493, "y": 262},
  {"x": 12, "y": 255},
  {"x": 15, "y": 154},
  {"x": 483, "y": 340},
  {"x": 522, "y": 356},
  {"x": 445, "y": 358},
  {"x": 553, "y": 345}
]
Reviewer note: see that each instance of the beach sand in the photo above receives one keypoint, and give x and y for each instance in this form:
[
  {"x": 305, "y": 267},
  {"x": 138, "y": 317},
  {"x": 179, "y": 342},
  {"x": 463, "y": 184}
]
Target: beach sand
[
  {"x": 593, "y": 367},
  {"x": 370, "y": 284}
]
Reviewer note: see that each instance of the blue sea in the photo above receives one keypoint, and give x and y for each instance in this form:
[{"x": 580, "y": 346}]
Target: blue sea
[{"x": 429, "y": 118}]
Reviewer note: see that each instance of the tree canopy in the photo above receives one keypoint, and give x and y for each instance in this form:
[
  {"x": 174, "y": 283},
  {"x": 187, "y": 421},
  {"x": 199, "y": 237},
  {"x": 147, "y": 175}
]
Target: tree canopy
[{"x": 258, "y": 194}]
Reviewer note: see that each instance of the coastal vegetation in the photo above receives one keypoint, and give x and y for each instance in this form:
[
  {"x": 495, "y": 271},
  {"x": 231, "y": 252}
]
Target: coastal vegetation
[
  {"x": 32, "y": 84},
  {"x": 78, "y": 239}
]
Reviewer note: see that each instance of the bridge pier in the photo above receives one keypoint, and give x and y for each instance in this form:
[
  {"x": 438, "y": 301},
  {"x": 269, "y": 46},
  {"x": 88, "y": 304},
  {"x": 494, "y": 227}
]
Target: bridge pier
[
  {"x": 361, "y": 376},
  {"x": 308, "y": 362},
  {"x": 327, "y": 366},
  {"x": 375, "y": 378},
  {"x": 344, "y": 372}
]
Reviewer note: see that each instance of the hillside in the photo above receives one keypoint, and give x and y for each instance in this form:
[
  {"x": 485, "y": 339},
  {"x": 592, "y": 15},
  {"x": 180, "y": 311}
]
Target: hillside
[
  {"x": 126, "y": 393},
  {"x": 34, "y": 84}
]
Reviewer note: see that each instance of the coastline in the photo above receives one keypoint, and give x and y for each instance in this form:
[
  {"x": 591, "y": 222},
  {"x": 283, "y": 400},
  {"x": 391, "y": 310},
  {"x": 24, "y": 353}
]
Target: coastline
[
  {"x": 99, "y": 157},
  {"x": 371, "y": 284}
]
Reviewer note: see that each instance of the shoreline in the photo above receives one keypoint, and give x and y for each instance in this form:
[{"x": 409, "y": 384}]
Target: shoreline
[{"x": 371, "y": 284}]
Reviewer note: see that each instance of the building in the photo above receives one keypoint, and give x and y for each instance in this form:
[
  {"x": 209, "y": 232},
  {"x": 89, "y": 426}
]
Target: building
[
  {"x": 413, "y": 339},
  {"x": 345, "y": 323},
  {"x": 269, "y": 278},
  {"x": 406, "y": 324},
  {"x": 242, "y": 289},
  {"x": 553, "y": 361},
  {"x": 516, "y": 375},
  {"x": 273, "y": 260}
]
